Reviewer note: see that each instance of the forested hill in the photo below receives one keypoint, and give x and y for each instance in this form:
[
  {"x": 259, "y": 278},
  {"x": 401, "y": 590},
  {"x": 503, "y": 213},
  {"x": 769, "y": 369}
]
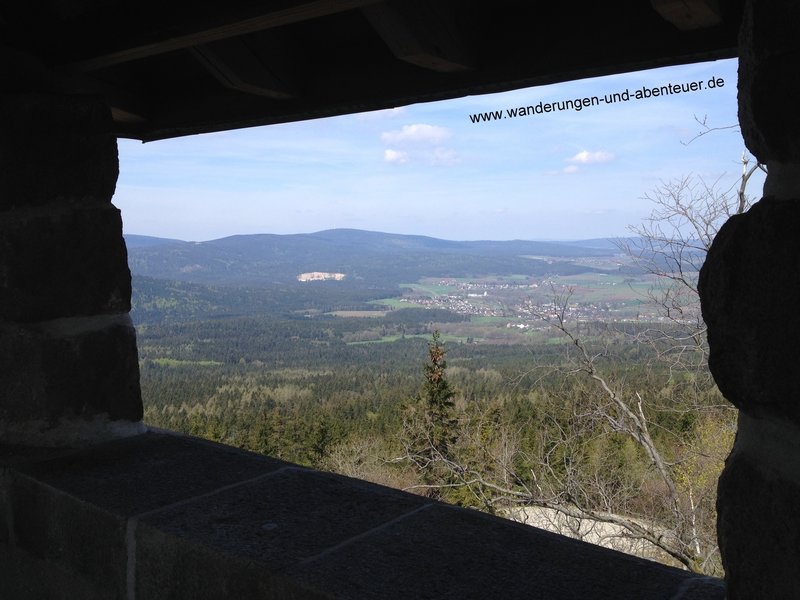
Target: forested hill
[{"x": 366, "y": 258}]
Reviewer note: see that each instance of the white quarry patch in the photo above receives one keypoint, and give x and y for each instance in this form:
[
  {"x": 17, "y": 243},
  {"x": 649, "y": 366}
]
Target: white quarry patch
[
  {"x": 320, "y": 276},
  {"x": 73, "y": 432},
  {"x": 191, "y": 268},
  {"x": 600, "y": 533}
]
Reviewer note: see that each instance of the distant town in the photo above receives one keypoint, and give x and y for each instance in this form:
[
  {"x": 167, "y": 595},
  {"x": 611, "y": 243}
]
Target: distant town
[{"x": 627, "y": 299}]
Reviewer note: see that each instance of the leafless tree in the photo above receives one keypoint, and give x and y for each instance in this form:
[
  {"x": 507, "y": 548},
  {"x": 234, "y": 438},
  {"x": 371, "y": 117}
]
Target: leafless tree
[
  {"x": 671, "y": 245},
  {"x": 569, "y": 476},
  {"x": 621, "y": 409},
  {"x": 668, "y": 503}
]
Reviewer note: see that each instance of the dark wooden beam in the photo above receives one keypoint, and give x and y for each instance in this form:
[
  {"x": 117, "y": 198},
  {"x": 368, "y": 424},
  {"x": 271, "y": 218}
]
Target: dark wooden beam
[
  {"x": 237, "y": 67},
  {"x": 202, "y": 33},
  {"x": 421, "y": 33},
  {"x": 688, "y": 15},
  {"x": 126, "y": 106}
]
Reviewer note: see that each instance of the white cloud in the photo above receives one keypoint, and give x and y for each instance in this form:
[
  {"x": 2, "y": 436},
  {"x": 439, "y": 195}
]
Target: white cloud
[
  {"x": 395, "y": 156},
  {"x": 570, "y": 169},
  {"x": 419, "y": 132},
  {"x": 585, "y": 157},
  {"x": 444, "y": 156}
]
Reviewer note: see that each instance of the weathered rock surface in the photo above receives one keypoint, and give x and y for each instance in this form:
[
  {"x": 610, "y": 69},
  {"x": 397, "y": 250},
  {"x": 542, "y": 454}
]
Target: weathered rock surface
[
  {"x": 759, "y": 533},
  {"x": 750, "y": 292},
  {"x": 55, "y": 149},
  {"x": 73, "y": 369},
  {"x": 63, "y": 264},
  {"x": 769, "y": 89},
  {"x": 69, "y": 371},
  {"x": 166, "y": 516},
  {"x": 750, "y": 295}
]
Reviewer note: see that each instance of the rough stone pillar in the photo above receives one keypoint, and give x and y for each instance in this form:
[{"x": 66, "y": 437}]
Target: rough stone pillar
[
  {"x": 69, "y": 370},
  {"x": 750, "y": 293}
]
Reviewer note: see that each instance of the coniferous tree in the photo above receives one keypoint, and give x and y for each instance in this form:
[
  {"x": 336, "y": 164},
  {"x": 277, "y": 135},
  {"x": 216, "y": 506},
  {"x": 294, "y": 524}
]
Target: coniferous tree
[
  {"x": 429, "y": 425},
  {"x": 439, "y": 400}
]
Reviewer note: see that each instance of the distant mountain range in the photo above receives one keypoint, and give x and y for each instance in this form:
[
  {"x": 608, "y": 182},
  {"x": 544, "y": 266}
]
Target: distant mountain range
[{"x": 367, "y": 258}]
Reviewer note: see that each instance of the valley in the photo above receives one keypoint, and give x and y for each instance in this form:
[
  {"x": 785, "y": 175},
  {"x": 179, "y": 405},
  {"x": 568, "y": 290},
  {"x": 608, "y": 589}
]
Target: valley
[
  {"x": 550, "y": 347},
  {"x": 376, "y": 275}
]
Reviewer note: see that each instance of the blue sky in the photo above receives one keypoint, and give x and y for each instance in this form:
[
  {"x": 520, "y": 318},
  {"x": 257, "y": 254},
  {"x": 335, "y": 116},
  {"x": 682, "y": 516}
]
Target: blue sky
[{"x": 427, "y": 169}]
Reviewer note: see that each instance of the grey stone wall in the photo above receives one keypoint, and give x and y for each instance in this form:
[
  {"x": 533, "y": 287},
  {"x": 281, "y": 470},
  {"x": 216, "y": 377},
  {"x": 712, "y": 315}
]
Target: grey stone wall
[
  {"x": 750, "y": 294},
  {"x": 68, "y": 360}
]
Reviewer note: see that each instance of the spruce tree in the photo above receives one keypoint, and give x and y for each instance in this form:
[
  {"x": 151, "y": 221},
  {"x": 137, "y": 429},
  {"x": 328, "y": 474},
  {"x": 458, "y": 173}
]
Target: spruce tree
[{"x": 438, "y": 396}]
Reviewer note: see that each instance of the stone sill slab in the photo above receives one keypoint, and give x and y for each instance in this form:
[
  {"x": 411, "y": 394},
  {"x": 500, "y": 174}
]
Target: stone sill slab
[{"x": 167, "y": 516}]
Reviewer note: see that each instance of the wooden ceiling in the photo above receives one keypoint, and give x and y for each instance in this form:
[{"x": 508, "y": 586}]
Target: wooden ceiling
[{"x": 169, "y": 68}]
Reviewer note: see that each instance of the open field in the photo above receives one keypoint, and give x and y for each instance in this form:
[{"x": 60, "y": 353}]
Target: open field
[
  {"x": 172, "y": 362},
  {"x": 358, "y": 314},
  {"x": 396, "y": 303}
]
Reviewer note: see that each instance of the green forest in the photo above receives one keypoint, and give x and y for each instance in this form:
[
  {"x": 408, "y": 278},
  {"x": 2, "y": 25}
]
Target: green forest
[
  {"x": 564, "y": 385},
  {"x": 527, "y": 421}
]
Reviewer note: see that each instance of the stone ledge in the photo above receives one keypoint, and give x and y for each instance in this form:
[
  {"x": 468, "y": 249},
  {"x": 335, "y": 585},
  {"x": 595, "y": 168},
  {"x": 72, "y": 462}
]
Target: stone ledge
[{"x": 162, "y": 515}]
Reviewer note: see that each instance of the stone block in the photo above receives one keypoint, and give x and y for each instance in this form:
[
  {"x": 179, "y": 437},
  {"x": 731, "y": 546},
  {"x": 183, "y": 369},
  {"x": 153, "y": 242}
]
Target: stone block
[
  {"x": 237, "y": 543},
  {"x": 6, "y": 514},
  {"x": 769, "y": 93},
  {"x": 204, "y": 521},
  {"x": 173, "y": 568},
  {"x": 148, "y": 472},
  {"x": 449, "y": 553},
  {"x": 750, "y": 291},
  {"x": 26, "y": 577},
  {"x": 78, "y": 538},
  {"x": 55, "y": 149},
  {"x": 70, "y": 512},
  {"x": 63, "y": 264},
  {"x": 279, "y": 521},
  {"x": 74, "y": 369},
  {"x": 759, "y": 534}
]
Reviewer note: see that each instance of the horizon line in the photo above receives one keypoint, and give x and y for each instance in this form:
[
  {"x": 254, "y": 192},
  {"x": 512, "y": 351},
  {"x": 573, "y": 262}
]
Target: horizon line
[{"x": 542, "y": 240}]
